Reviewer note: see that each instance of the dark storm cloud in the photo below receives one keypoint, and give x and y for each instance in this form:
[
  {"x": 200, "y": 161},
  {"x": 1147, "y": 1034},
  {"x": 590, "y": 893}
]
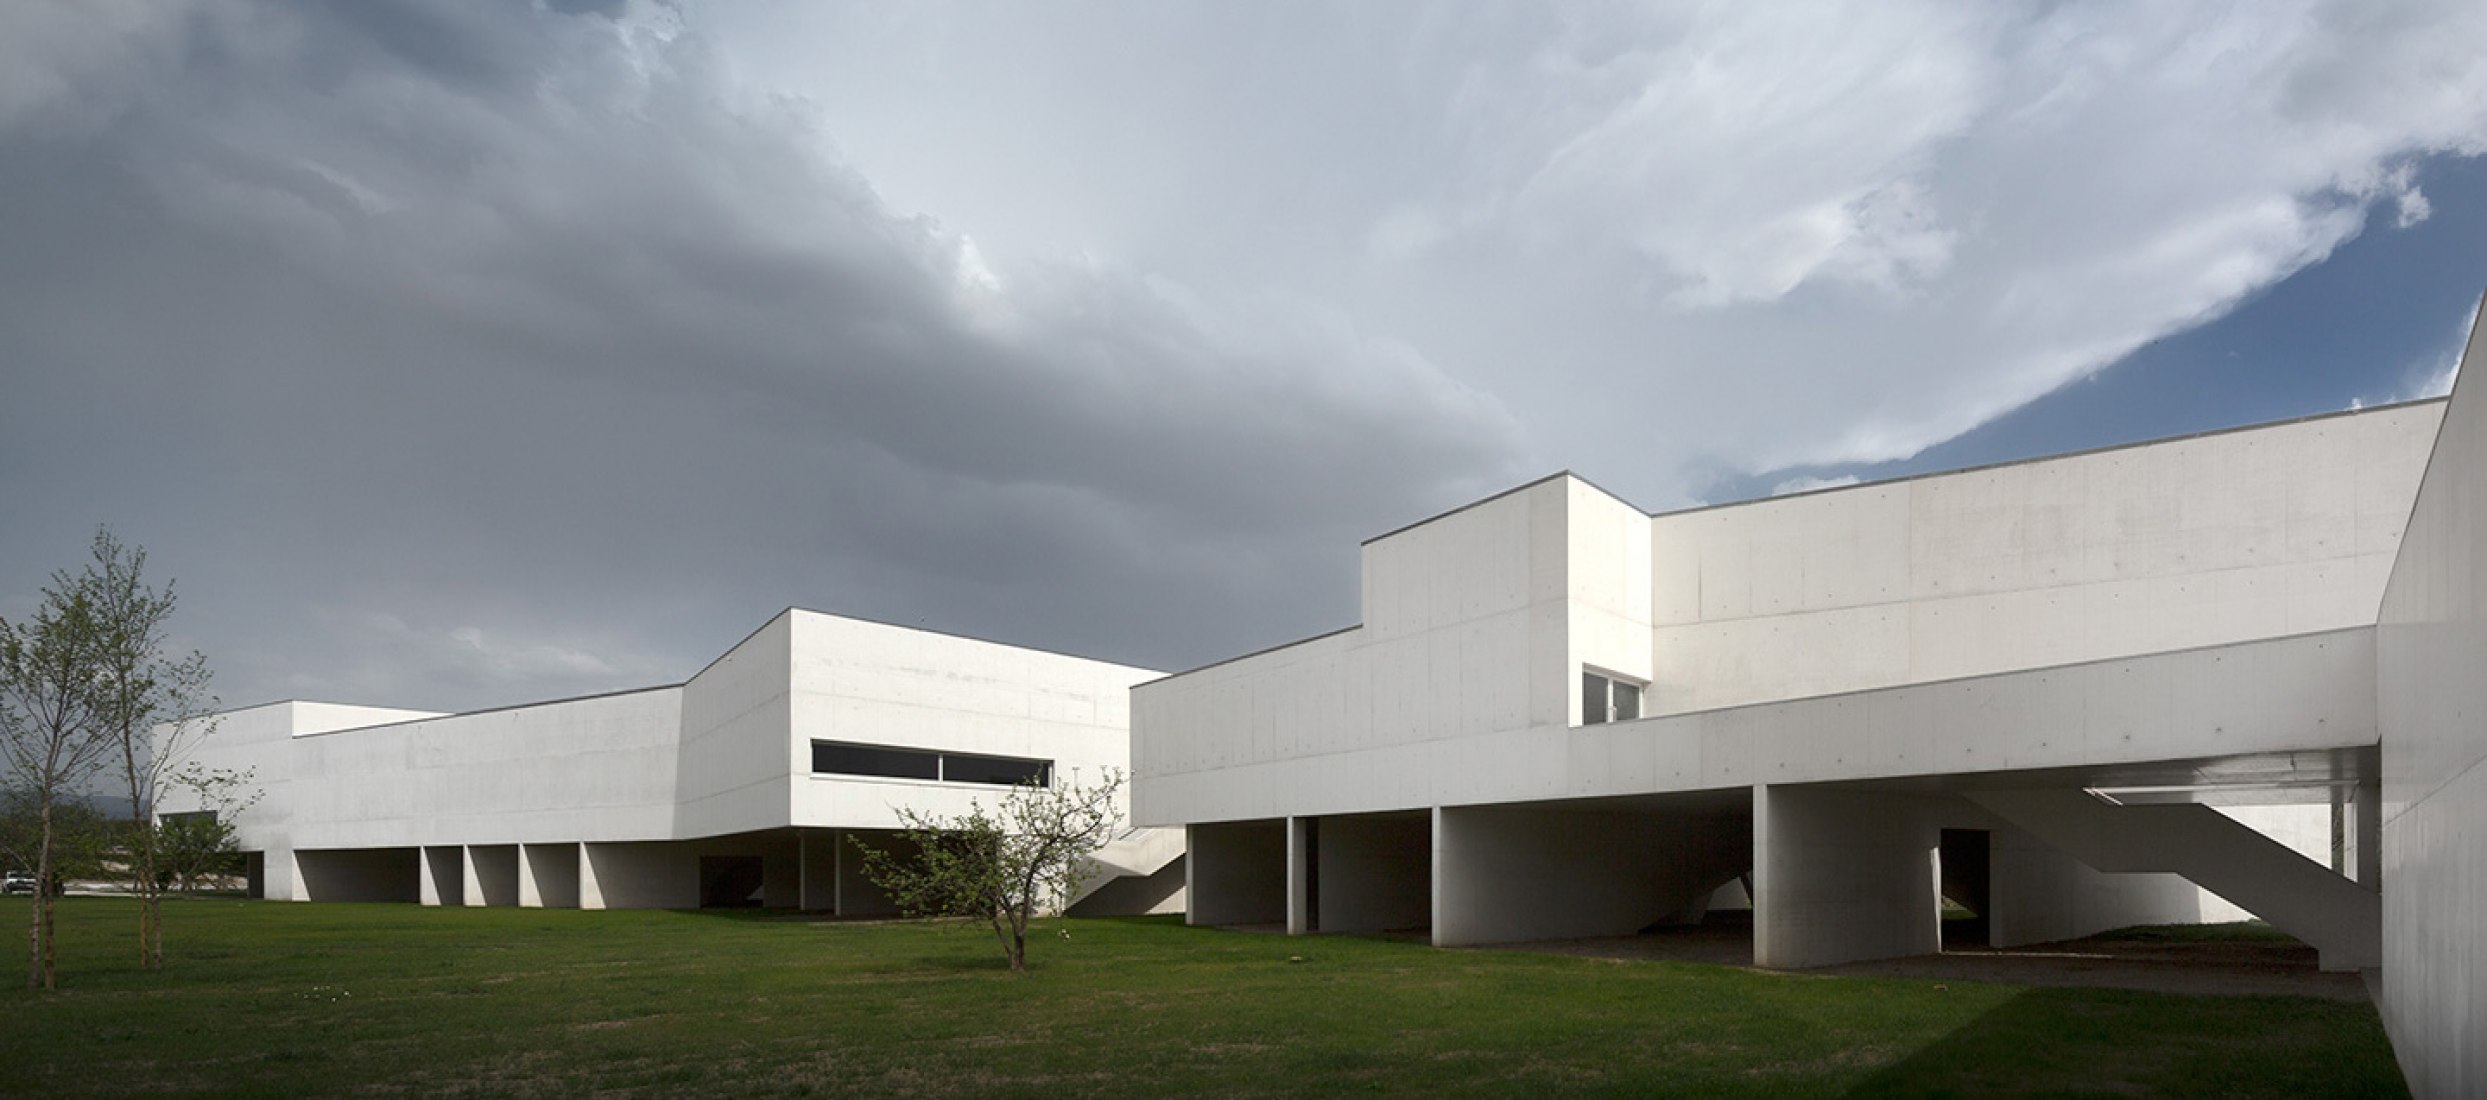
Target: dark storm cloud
[{"x": 457, "y": 354}]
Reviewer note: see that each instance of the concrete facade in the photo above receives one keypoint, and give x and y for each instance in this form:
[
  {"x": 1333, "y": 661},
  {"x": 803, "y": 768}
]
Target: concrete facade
[
  {"x": 2135, "y": 685},
  {"x": 2431, "y": 651},
  {"x": 700, "y": 793}
]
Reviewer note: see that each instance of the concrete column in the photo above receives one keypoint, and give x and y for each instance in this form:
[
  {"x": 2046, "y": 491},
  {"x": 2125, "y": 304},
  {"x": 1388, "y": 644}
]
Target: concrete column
[
  {"x": 1302, "y": 841},
  {"x": 293, "y": 888},
  {"x": 781, "y": 869},
  {"x": 529, "y": 897},
  {"x": 591, "y": 886},
  {"x": 817, "y": 850},
  {"x": 1841, "y": 875}
]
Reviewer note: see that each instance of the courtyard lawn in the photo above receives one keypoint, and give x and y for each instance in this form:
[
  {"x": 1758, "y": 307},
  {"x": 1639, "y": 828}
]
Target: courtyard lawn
[{"x": 285, "y": 999}]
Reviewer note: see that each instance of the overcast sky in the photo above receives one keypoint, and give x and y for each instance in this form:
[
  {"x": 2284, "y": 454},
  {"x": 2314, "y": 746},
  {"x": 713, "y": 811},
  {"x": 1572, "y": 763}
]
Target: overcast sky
[{"x": 460, "y": 354}]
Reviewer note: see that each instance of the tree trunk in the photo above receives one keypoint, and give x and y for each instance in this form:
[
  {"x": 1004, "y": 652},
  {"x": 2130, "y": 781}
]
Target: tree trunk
[
  {"x": 142, "y": 872},
  {"x": 38, "y": 939}
]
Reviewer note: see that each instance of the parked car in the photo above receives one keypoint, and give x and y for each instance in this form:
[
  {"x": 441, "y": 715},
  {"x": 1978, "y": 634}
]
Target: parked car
[{"x": 18, "y": 882}]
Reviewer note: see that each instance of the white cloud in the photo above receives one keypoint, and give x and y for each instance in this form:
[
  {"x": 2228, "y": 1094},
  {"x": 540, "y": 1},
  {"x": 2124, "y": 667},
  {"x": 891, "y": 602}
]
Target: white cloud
[
  {"x": 1090, "y": 326},
  {"x": 1673, "y": 239}
]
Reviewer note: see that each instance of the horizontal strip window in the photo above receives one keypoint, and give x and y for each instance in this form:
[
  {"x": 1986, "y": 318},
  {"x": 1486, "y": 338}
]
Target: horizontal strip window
[
  {"x": 1003, "y": 771},
  {"x": 841, "y": 758},
  {"x": 837, "y": 759}
]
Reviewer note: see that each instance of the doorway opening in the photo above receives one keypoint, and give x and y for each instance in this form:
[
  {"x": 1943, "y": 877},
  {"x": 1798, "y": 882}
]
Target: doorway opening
[
  {"x": 730, "y": 882},
  {"x": 1967, "y": 876}
]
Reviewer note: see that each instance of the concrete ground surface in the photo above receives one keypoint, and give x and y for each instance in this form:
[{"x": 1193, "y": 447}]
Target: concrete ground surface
[{"x": 2246, "y": 968}]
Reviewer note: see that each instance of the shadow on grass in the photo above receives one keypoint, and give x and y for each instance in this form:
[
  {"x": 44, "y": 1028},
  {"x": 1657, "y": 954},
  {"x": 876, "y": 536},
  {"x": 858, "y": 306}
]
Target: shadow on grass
[{"x": 2260, "y": 1046}]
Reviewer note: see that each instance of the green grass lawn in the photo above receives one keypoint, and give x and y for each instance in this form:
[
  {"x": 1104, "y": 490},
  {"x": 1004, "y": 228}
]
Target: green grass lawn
[{"x": 288, "y": 999}]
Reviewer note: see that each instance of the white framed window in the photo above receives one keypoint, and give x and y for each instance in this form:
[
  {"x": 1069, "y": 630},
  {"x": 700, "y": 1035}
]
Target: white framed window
[{"x": 1608, "y": 698}]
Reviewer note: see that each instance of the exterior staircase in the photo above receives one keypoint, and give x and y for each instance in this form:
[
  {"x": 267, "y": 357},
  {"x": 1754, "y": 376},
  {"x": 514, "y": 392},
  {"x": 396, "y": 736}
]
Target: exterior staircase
[
  {"x": 1139, "y": 871},
  {"x": 2341, "y": 919}
]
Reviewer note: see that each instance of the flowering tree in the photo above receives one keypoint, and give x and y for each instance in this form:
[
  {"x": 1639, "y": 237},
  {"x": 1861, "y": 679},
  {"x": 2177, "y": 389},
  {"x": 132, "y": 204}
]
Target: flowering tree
[{"x": 1004, "y": 865}]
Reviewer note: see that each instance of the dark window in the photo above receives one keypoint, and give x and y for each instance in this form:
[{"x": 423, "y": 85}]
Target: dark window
[
  {"x": 1606, "y": 699},
  {"x": 836, "y": 759},
  {"x": 1003, "y": 770},
  {"x": 201, "y": 817}
]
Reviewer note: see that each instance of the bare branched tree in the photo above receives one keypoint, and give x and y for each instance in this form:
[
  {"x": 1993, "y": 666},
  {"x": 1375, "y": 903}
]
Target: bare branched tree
[
  {"x": 1005, "y": 865},
  {"x": 153, "y": 705},
  {"x": 50, "y": 736}
]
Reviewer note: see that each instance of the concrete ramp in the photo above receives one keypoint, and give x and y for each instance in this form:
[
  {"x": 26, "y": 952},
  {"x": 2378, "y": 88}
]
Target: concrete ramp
[
  {"x": 1139, "y": 863},
  {"x": 2305, "y": 899}
]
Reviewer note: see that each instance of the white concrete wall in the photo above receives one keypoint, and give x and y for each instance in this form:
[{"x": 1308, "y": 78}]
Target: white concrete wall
[
  {"x": 257, "y": 740},
  {"x": 2290, "y": 694},
  {"x": 1464, "y": 633},
  {"x": 1607, "y": 584},
  {"x": 2202, "y": 541},
  {"x": 600, "y": 767},
  {"x": 2431, "y": 656},
  {"x": 874, "y": 684},
  {"x": 735, "y": 767},
  {"x": 724, "y": 755}
]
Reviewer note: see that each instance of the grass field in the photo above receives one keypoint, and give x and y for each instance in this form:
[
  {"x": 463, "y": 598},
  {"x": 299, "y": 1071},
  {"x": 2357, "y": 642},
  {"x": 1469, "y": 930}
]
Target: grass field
[{"x": 282, "y": 999}]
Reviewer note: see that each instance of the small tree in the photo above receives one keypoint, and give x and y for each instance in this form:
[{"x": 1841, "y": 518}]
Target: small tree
[
  {"x": 1005, "y": 865},
  {"x": 152, "y": 705},
  {"x": 192, "y": 849},
  {"x": 49, "y": 734}
]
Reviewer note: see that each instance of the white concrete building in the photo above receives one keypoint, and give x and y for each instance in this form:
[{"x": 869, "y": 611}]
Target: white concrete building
[
  {"x": 739, "y": 786},
  {"x": 2055, "y": 692}
]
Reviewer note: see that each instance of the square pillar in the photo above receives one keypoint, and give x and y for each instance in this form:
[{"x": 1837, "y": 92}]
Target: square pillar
[
  {"x": 528, "y": 896},
  {"x": 817, "y": 855},
  {"x": 1303, "y": 847},
  {"x": 1843, "y": 875},
  {"x": 591, "y": 887}
]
